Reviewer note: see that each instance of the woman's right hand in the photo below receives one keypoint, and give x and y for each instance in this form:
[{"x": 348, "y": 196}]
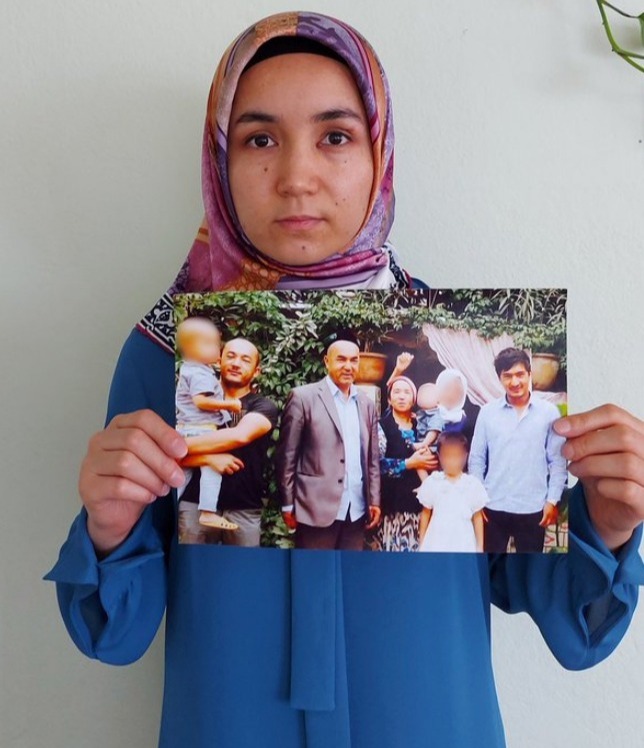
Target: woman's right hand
[
  {"x": 403, "y": 361},
  {"x": 127, "y": 466},
  {"x": 423, "y": 459}
]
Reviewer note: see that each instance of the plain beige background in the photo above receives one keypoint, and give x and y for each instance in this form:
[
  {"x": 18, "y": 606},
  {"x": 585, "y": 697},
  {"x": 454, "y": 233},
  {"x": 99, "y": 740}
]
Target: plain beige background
[{"x": 520, "y": 162}]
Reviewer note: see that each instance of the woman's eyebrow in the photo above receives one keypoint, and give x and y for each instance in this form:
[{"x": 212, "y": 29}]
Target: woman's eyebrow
[
  {"x": 255, "y": 116},
  {"x": 337, "y": 113},
  {"x": 327, "y": 115}
]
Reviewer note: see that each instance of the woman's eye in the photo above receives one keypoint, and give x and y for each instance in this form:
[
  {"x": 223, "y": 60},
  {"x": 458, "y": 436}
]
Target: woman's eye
[
  {"x": 336, "y": 138},
  {"x": 260, "y": 141}
]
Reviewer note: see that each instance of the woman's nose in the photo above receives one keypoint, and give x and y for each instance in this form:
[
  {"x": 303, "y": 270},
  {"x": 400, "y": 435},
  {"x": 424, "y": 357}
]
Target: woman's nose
[{"x": 297, "y": 172}]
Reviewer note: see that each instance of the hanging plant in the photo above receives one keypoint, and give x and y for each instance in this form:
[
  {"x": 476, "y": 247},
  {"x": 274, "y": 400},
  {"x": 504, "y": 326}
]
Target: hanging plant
[{"x": 632, "y": 58}]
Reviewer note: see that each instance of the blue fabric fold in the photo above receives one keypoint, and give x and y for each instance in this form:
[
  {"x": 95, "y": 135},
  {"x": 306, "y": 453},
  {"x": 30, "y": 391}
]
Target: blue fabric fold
[
  {"x": 77, "y": 562},
  {"x": 101, "y": 600},
  {"x": 319, "y": 678},
  {"x": 606, "y": 584},
  {"x": 557, "y": 589},
  {"x": 314, "y": 623}
]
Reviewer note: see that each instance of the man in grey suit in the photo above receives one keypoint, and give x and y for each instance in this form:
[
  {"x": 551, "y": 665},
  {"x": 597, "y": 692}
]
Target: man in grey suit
[{"x": 327, "y": 459}]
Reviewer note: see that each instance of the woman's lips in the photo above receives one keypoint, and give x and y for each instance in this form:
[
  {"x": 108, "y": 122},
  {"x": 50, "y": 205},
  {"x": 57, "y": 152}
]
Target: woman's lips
[{"x": 299, "y": 223}]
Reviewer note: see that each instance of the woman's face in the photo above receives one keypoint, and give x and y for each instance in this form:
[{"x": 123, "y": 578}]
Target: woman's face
[
  {"x": 401, "y": 397},
  {"x": 452, "y": 393},
  {"x": 300, "y": 161}
]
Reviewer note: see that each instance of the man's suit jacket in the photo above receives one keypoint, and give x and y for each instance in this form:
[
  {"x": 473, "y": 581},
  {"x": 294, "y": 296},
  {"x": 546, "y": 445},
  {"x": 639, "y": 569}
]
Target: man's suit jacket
[{"x": 310, "y": 454}]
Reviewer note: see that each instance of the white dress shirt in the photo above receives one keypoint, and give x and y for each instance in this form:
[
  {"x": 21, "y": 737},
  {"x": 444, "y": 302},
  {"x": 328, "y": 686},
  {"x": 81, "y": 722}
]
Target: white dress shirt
[{"x": 353, "y": 494}]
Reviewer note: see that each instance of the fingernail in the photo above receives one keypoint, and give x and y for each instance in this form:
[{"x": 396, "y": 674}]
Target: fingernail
[
  {"x": 177, "y": 478},
  {"x": 562, "y": 426}
]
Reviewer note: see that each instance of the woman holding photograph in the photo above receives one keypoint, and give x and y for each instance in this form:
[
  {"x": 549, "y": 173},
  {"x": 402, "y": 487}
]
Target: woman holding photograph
[
  {"x": 399, "y": 466},
  {"x": 276, "y": 648}
]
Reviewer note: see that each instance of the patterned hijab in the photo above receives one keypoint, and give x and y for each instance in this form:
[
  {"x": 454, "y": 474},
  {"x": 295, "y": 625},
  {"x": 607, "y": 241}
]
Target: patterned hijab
[
  {"x": 221, "y": 257},
  {"x": 456, "y": 413}
]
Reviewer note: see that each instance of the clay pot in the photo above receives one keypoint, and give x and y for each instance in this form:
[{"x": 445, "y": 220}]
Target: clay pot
[
  {"x": 372, "y": 368},
  {"x": 545, "y": 367}
]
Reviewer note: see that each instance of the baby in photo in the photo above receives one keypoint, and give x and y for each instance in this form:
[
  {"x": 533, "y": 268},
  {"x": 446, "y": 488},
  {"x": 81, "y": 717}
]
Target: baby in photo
[
  {"x": 201, "y": 407},
  {"x": 440, "y": 407},
  {"x": 451, "y": 519},
  {"x": 429, "y": 424}
]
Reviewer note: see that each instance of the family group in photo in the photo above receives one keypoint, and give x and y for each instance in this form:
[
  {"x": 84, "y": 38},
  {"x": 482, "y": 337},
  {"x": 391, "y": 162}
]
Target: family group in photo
[{"x": 418, "y": 477}]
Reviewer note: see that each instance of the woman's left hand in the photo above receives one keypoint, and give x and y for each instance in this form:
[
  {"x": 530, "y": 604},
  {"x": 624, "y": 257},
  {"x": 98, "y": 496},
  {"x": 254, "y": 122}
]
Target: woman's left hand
[{"x": 605, "y": 447}]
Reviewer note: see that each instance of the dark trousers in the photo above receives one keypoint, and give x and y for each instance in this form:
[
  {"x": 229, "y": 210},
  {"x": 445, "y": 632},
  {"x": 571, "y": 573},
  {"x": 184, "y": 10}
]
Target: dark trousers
[
  {"x": 342, "y": 534},
  {"x": 524, "y": 528}
]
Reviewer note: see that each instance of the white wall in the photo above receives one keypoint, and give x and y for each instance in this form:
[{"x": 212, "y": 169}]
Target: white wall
[{"x": 520, "y": 161}]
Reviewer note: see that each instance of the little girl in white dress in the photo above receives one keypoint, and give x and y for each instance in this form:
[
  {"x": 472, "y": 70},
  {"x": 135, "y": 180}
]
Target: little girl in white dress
[{"x": 451, "y": 519}]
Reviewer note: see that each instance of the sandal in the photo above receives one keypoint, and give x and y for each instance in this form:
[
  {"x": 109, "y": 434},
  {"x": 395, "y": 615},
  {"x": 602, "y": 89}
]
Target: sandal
[{"x": 212, "y": 519}]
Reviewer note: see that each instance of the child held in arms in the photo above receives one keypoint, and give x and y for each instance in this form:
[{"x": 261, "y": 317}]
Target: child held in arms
[{"x": 201, "y": 406}]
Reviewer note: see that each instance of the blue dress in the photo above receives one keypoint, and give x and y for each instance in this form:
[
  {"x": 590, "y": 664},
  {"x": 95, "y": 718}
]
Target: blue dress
[{"x": 327, "y": 649}]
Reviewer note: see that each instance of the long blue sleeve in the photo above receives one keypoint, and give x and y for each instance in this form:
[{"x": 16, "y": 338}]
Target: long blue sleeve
[
  {"x": 583, "y": 600},
  {"x": 112, "y": 607}
]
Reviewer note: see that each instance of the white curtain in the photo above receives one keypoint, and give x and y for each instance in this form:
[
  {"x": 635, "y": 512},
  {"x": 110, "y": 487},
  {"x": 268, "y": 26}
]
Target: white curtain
[{"x": 474, "y": 356}]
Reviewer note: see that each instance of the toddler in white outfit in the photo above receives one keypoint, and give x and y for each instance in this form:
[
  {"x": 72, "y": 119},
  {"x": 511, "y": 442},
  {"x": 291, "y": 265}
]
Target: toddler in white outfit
[{"x": 452, "y": 518}]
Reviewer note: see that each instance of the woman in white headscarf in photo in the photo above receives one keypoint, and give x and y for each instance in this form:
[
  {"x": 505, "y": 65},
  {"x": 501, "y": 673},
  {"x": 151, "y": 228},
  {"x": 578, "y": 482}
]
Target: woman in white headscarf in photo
[{"x": 452, "y": 393}]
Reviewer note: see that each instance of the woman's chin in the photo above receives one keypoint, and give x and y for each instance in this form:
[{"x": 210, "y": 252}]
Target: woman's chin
[{"x": 299, "y": 253}]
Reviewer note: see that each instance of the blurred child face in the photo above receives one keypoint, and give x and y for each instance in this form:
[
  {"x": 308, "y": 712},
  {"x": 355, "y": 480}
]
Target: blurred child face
[
  {"x": 200, "y": 341},
  {"x": 427, "y": 396},
  {"x": 452, "y": 458},
  {"x": 401, "y": 397},
  {"x": 300, "y": 162},
  {"x": 452, "y": 393}
]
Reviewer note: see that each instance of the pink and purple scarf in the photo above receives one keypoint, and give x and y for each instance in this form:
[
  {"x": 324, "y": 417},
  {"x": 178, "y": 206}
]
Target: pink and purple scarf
[{"x": 221, "y": 257}]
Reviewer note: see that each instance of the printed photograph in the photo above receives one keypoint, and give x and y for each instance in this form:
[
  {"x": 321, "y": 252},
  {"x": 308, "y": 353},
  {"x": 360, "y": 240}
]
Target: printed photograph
[{"x": 373, "y": 420}]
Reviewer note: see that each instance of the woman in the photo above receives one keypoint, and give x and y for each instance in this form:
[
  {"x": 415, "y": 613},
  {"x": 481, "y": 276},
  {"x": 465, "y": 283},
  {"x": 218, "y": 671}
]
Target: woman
[
  {"x": 399, "y": 465},
  {"x": 451, "y": 385},
  {"x": 270, "y": 648}
]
